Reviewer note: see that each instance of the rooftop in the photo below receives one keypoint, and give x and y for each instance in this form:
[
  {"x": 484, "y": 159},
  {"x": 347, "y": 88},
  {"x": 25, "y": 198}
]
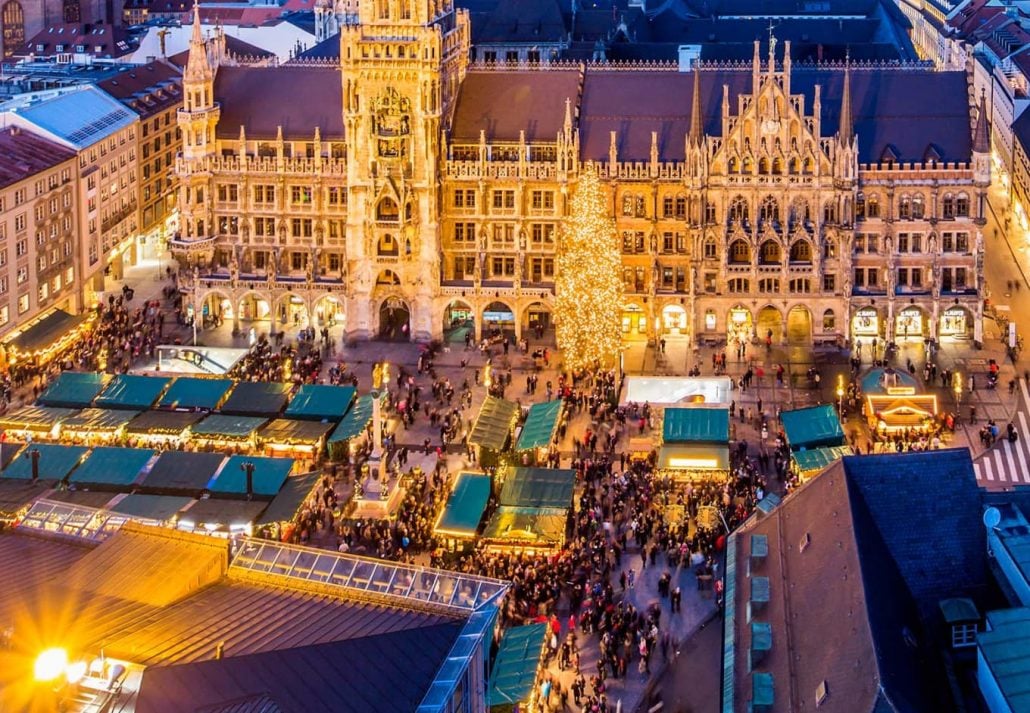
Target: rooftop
[
  {"x": 77, "y": 118},
  {"x": 24, "y": 154}
]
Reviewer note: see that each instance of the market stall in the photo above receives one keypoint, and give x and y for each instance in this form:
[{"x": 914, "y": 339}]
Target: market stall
[
  {"x": 282, "y": 512},
  {"x": 227, "y": 432},
  {"x": 74, "y": 389},
  {"x": 492, "y": 432},
  {"x": 256, "y": 398},
  {"x": 111, "y": 468},
  {"x": 16, "y": 496},
  {"x": 192, "y": 393},
  {"x": 34, "y": 422},
  {"x": 695, "y": 443},
  {"x": 354, "y": 424},
  {"x": 182, "y": 472},
  {"x": 93, "y": 425},
  {"x": 218, "y": 516},
  {"x": 812, "y": 427},
  {"x": 893, "y": 413},
  {"x": 320, "y": 402},
  {"x": 133, "y": 392},
  {"x": 151, "y": 509},
  {"x": 42, "y": 340},
  {"x": 460, "y": 518},
  {"x": 537, "y": 487},
  {"x": 693, "y": 461},
  {"x": 516, "y": 670},
  {"x": 677, "y": 390},
  {"x": 161, "y": 427},
  {"x": 810, "y": 462},
  {"x": 528, "y": 530},
  {"x": 55, "y": 461},
  {"x": 290, "y": 437},
  {"x": 539, "y": 432},
  {"x": 268, "y": 476}
]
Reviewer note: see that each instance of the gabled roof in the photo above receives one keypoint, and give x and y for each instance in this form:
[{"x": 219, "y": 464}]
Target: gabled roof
[
  {"x": 97, "y": 39},
  {"x": 504, "y": 103},
  {"x": 296, "y": 98},
  {"x": 147, "y": 89},
  {"x": 24, "y": 154}
]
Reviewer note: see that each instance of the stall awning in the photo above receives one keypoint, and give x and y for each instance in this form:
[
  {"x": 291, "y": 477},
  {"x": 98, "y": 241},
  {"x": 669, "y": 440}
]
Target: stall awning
[
  {"x": 162, "y": 423},
  {"x": 154, "y": 508},
  {"x": 46, "y": 332},
  {"x": 538, "y": 487},
  {"x": 222, "y": 514},
  {"x": 540, "y": 425},
  {"x": 98, "y": 419},
  {"x": 694, "y": 456},
  {"x": 494, "y": 423},
  {"x": 220, "y": 426},
  {"x": 256, "y": 398},
  {"x": 269, "y": 475},
  {"x": 35, "y": 418},
  {"x": 526, "y": 527},
  {"x": 697, "y": 424},
  {"x": 515, "y": 668},
  {"x": 195, "y": 393},
  {"x": 355, "y": 421},
  {"x": 317, "y": 402},
  {"x": 183, "y": 470},
  {"x": 74, "y": 389},
  {"x": 812, "y": 427},
  {"x": 55, "y": 461},
  {"x": 118, "y": 467},
  {"x": 17, "y": 495},
  {"x": 132, "y": 391},
  {"x": 818, "y": 458},
  {"x": 287, "y": 431},
  {"x": 291, "y": 497},
  {"x": 910, "y": 411},
  {"x": 465, "y": 505}
]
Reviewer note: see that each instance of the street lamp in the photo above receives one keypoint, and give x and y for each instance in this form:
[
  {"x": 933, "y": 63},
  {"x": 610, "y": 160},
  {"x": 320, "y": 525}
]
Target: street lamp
[
  {"x": 957, "y": 386},
  {"x": 50, "y": 664},
  {"x": 840, "y": 396}
]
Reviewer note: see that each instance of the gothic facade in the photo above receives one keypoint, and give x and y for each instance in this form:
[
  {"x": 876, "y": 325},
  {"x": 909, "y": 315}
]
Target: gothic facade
[{"x": 400, "y": 191}]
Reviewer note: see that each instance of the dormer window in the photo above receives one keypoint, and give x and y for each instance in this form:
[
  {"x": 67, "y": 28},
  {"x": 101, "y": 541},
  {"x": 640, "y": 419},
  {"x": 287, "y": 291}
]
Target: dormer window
[
  {"x": 80, "y": 48},
  {"x": 963, "y": 635},
  {"x": 40, "y": 48},
  {"x": 60, "y": 48}
]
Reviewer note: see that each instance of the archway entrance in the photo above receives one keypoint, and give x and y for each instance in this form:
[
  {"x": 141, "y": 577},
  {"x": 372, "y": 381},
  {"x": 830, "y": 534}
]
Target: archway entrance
[
  {"x": 674, "y": 320},
  {"x": 254, "y": 307},
  {"x": 394, "y": 320},
  {"x": 865, "y": 324},
  {"x": 215, "y": 309},
  {"x": 330, "y": 312},
  {"x": 634, "y": 322},
  {"x": 911, "y": 323},
  {"x": 498, "y": 321},
  {"x": 956, "y": 324},
  {"x": 459, "y": 319},
  {"x": 537, "y": 323},
  {"x": 770, "y": 325},
  {"x": 799, "y": 325},
  {"x": 739, "y": 326},
  {"x": 293, "y": 312}
]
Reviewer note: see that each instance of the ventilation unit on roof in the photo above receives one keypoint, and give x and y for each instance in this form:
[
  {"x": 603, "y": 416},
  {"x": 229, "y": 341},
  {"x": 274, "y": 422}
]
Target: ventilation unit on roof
[
  {"x": 821, "y": 692},
  {"x": 762, "y": 692},
  {"x": 806, "y": 540},
  {"x": 761, "y": 641},
  {"x": 759, "y": 547}
]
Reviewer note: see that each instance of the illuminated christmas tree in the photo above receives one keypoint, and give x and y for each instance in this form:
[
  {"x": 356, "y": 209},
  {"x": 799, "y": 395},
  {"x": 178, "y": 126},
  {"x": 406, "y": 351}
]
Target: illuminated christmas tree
[{"x": 588, "y": 283}]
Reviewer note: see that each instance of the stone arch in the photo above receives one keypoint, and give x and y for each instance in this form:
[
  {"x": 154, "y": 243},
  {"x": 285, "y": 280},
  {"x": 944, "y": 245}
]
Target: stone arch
[
  {"x": 538, "y": 322},
  {"x": 291, "y": 311},
  {"x": 388, "y": 245},
  {"x": 769, "y": 325},
  {"x": 329, "y": 310},
  {"x": 253, "y": 306},
  {"x": 394, "y": 315},
  {"x": 387, "y": 210},
  {"x": 634, "y": 322},
  {"x": 770, "y": 253},
  {"x": 459, "y": 319},
  {"x": 387, "y": 278},
  {"x": 499, "y": 319},
  {"x": 675, "y": 319},
  {"x": 956, "y": 324},
  {"x": 801, "y": 250},
  {"x": 911, "y": 322},
  {"x": 739, "y": 325},
  {"x": 739, "y": 252},
  {"x": 215, "y": 306},
  {"x": 866, "y": 324},
  {"x": 799, "y": 325}
]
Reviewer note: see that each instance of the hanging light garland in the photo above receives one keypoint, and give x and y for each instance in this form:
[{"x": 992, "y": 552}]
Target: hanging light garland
[{"x": 588, "y": 283}]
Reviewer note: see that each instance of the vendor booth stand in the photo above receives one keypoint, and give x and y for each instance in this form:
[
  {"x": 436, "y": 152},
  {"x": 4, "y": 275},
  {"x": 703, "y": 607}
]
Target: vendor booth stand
[
  {"x": 257, "y": 398},
  {"x": 516, "y": 670},
  {"x": 812, "y": 427},
  {"x": 809, "y": 463},
  {"x": 47, "y": 338},
  {"x": 17, "y": 496},
  {"x": 34, "y": 422},
  {"x": 182, "y": 473},
  {"x": 320, "y": 402},
  {"x": 537, "y": 487},
  {"x": 152, "y": 428},
  {"x": 291, "y": 438},
  {"x": 74, "y": 389},
  {"x": 695, "y": 443},
  {"x": 55, "y": 461},
  {"x": 281, "y": 513},
  {"x": 96, "y": 425},
  {"x": 267, "y": 480},
  {"x": 191, "y": 393},
  {"x": 539, "y": 432},
  {"x": 461, "y": 516},
  {"x": 133, "y": 392},
  {"x": 160, "y": 510},
  {"x": 227, "y": 432},
  {"x": 527, "y": 530},
  {"x": 342, "y": 442},
  {"x": 107, "y": 468},
  {"x": 492, "y": 432},
  {"x": 218, "y": 516}
]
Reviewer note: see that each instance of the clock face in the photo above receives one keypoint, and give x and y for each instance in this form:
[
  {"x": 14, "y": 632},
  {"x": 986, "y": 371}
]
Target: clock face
[{"x": 770, "y": 126}]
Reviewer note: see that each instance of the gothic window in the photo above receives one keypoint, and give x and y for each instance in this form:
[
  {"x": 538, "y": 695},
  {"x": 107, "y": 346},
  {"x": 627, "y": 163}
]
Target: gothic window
[
  {"x": 829, "y": 321},
  {"x": 948, "y": 207},
  {"x": 859, "y": 207},
  {"x": 733, "y": 165},
  {"x": 905, "y": 208},
  {"x": 801, "y": 251},
  {"x": 962, "y": 205},
  {"x": 777, "y": 166},
  {"x": 809, "y": 166},
  {"x": 710, "y": 249},
  {"x": 769, "y": 210},
  {"x": 387, "y": 210},
  {"x": 387, "y": 246},
  {"x": 872, "y": 208},
  {"x": 72, "y": 13},
  {"x": 747, "y": 167},
  {"x": 918, "y": 209},
  {"x": 769, "y": 253},
  {"x": 13, "y": 27},
  {"x": 795, "y": 165},
  {"x": 740, "y": 285},
  {"x": 740, "y": 253},
  {"x": 710, "y": 212},
  {"x": 829, "y": 212},
  {"x": 763, "y": 166},
  {"x": 738, "y": 210}
]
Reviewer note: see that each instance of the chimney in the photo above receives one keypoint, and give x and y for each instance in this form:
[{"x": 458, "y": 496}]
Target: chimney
[
  {"x": 34, "y": 455},
  {"x": 248, "y": 469}
]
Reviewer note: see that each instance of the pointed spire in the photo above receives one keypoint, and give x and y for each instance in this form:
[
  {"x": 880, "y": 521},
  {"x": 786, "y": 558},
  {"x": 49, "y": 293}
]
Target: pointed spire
[
  {"x": 846, "y": 131},
  {"x": 196, "y": 38},
  {"x": 568, "y": 114},
  {"x": 982, "y": 132},
  {"x": 696, "y": 124},
  {"x": 198, "y": 66}
]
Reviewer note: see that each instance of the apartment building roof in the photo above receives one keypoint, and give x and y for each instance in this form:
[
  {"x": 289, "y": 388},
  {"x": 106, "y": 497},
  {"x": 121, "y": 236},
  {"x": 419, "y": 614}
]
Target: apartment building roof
[
  {"x": 77, "y": 118},
  {"x": 147, "y": 89},
  {"x": 24, "y": 154}
]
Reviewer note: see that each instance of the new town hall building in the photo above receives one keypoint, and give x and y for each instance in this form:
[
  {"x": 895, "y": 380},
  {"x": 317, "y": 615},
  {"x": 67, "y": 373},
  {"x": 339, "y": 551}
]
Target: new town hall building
[{"x": 399, "y": 191}]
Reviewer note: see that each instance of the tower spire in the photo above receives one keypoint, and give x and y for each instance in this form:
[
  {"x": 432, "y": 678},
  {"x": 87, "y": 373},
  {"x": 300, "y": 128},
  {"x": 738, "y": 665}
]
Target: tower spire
[
  {"x": 198, "y": 66},
  {"x": 696, "y": 124},
  {"x": 982, "y": 132},
  {"x": 847, "y": 131}
]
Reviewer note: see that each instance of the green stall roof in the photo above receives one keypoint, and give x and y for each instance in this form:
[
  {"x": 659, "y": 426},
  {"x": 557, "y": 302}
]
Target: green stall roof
[
  {"x": 812, "y": 427},
  {"x": 191, "y": 392},
  {"x": 256, "y": 398},
  {"x": 291, "y": 497},
  {"x": 74, "y": 389},
  {"x": 55, "y": 461},
  {"x": 16, "y": 495},
  {"x": 697, "y": 424},
  {"x": 98, "y": 419},
  {"x": 132, "y": 391},
  {"x": 269, "y": 475},
  {"x": 157, "y": 508},
  {"x": 293, "y": 432},
  {"x": 223, "y": 513},
  {"x": 112, "y": 466},
  {"x": 818, "y": 458},
  {"x": 1006, "y": 652},
  {"x": 217, "y": 426},
  {"x": 540, "y": 425},
  {"x": 47, "y": 331},
  {"x": 531, "y": 527},
  {"x": 183, "y": 470},
  {"x": 162, "y": 422},
  {"x": 465, "y": 505},
  {"x": 494, "y": 423},
  {"x": 518, "y": 659},
  {"x": 694, "y": 456},
  {"x": 538, "y": 487},
  {"x": 35, "y": 418},
  {"x": 320, "y": 402},
  {"x": 355, "y": 421}
]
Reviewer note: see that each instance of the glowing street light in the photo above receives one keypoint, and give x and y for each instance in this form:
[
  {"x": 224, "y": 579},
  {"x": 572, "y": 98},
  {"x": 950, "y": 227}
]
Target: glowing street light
[
  {"x": 957, "y": 386},
  {"x": 840, "y": 395},
  {"x": 50, "y": 664}
]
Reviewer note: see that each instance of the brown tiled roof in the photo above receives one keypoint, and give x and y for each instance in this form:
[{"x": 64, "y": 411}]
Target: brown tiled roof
[
  {"x": 503, "y": 103},
  {"x": 23, "y": 154},
  {"x": 147, "y": 89},
  {"x": 112, "y": 41},
  {"x": 296, "y": 98}
]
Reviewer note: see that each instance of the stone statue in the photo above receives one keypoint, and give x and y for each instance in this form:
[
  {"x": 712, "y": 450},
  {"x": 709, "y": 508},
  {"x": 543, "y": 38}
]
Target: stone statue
[{"x": 234, "y": 268}]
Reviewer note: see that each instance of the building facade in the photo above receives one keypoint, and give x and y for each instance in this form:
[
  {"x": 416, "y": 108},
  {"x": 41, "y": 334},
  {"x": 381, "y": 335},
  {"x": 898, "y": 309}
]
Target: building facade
[
  {"x": 752, "y": 201},
  {"x": 38, "y": 228}
]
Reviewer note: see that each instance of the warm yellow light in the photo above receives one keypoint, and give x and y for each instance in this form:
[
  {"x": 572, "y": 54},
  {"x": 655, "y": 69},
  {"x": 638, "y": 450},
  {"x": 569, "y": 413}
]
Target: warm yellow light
[
  {"x": 74, "y": 672},
  {"x": 50, "y": 664},
  {"x": 684, "y": 462}
]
